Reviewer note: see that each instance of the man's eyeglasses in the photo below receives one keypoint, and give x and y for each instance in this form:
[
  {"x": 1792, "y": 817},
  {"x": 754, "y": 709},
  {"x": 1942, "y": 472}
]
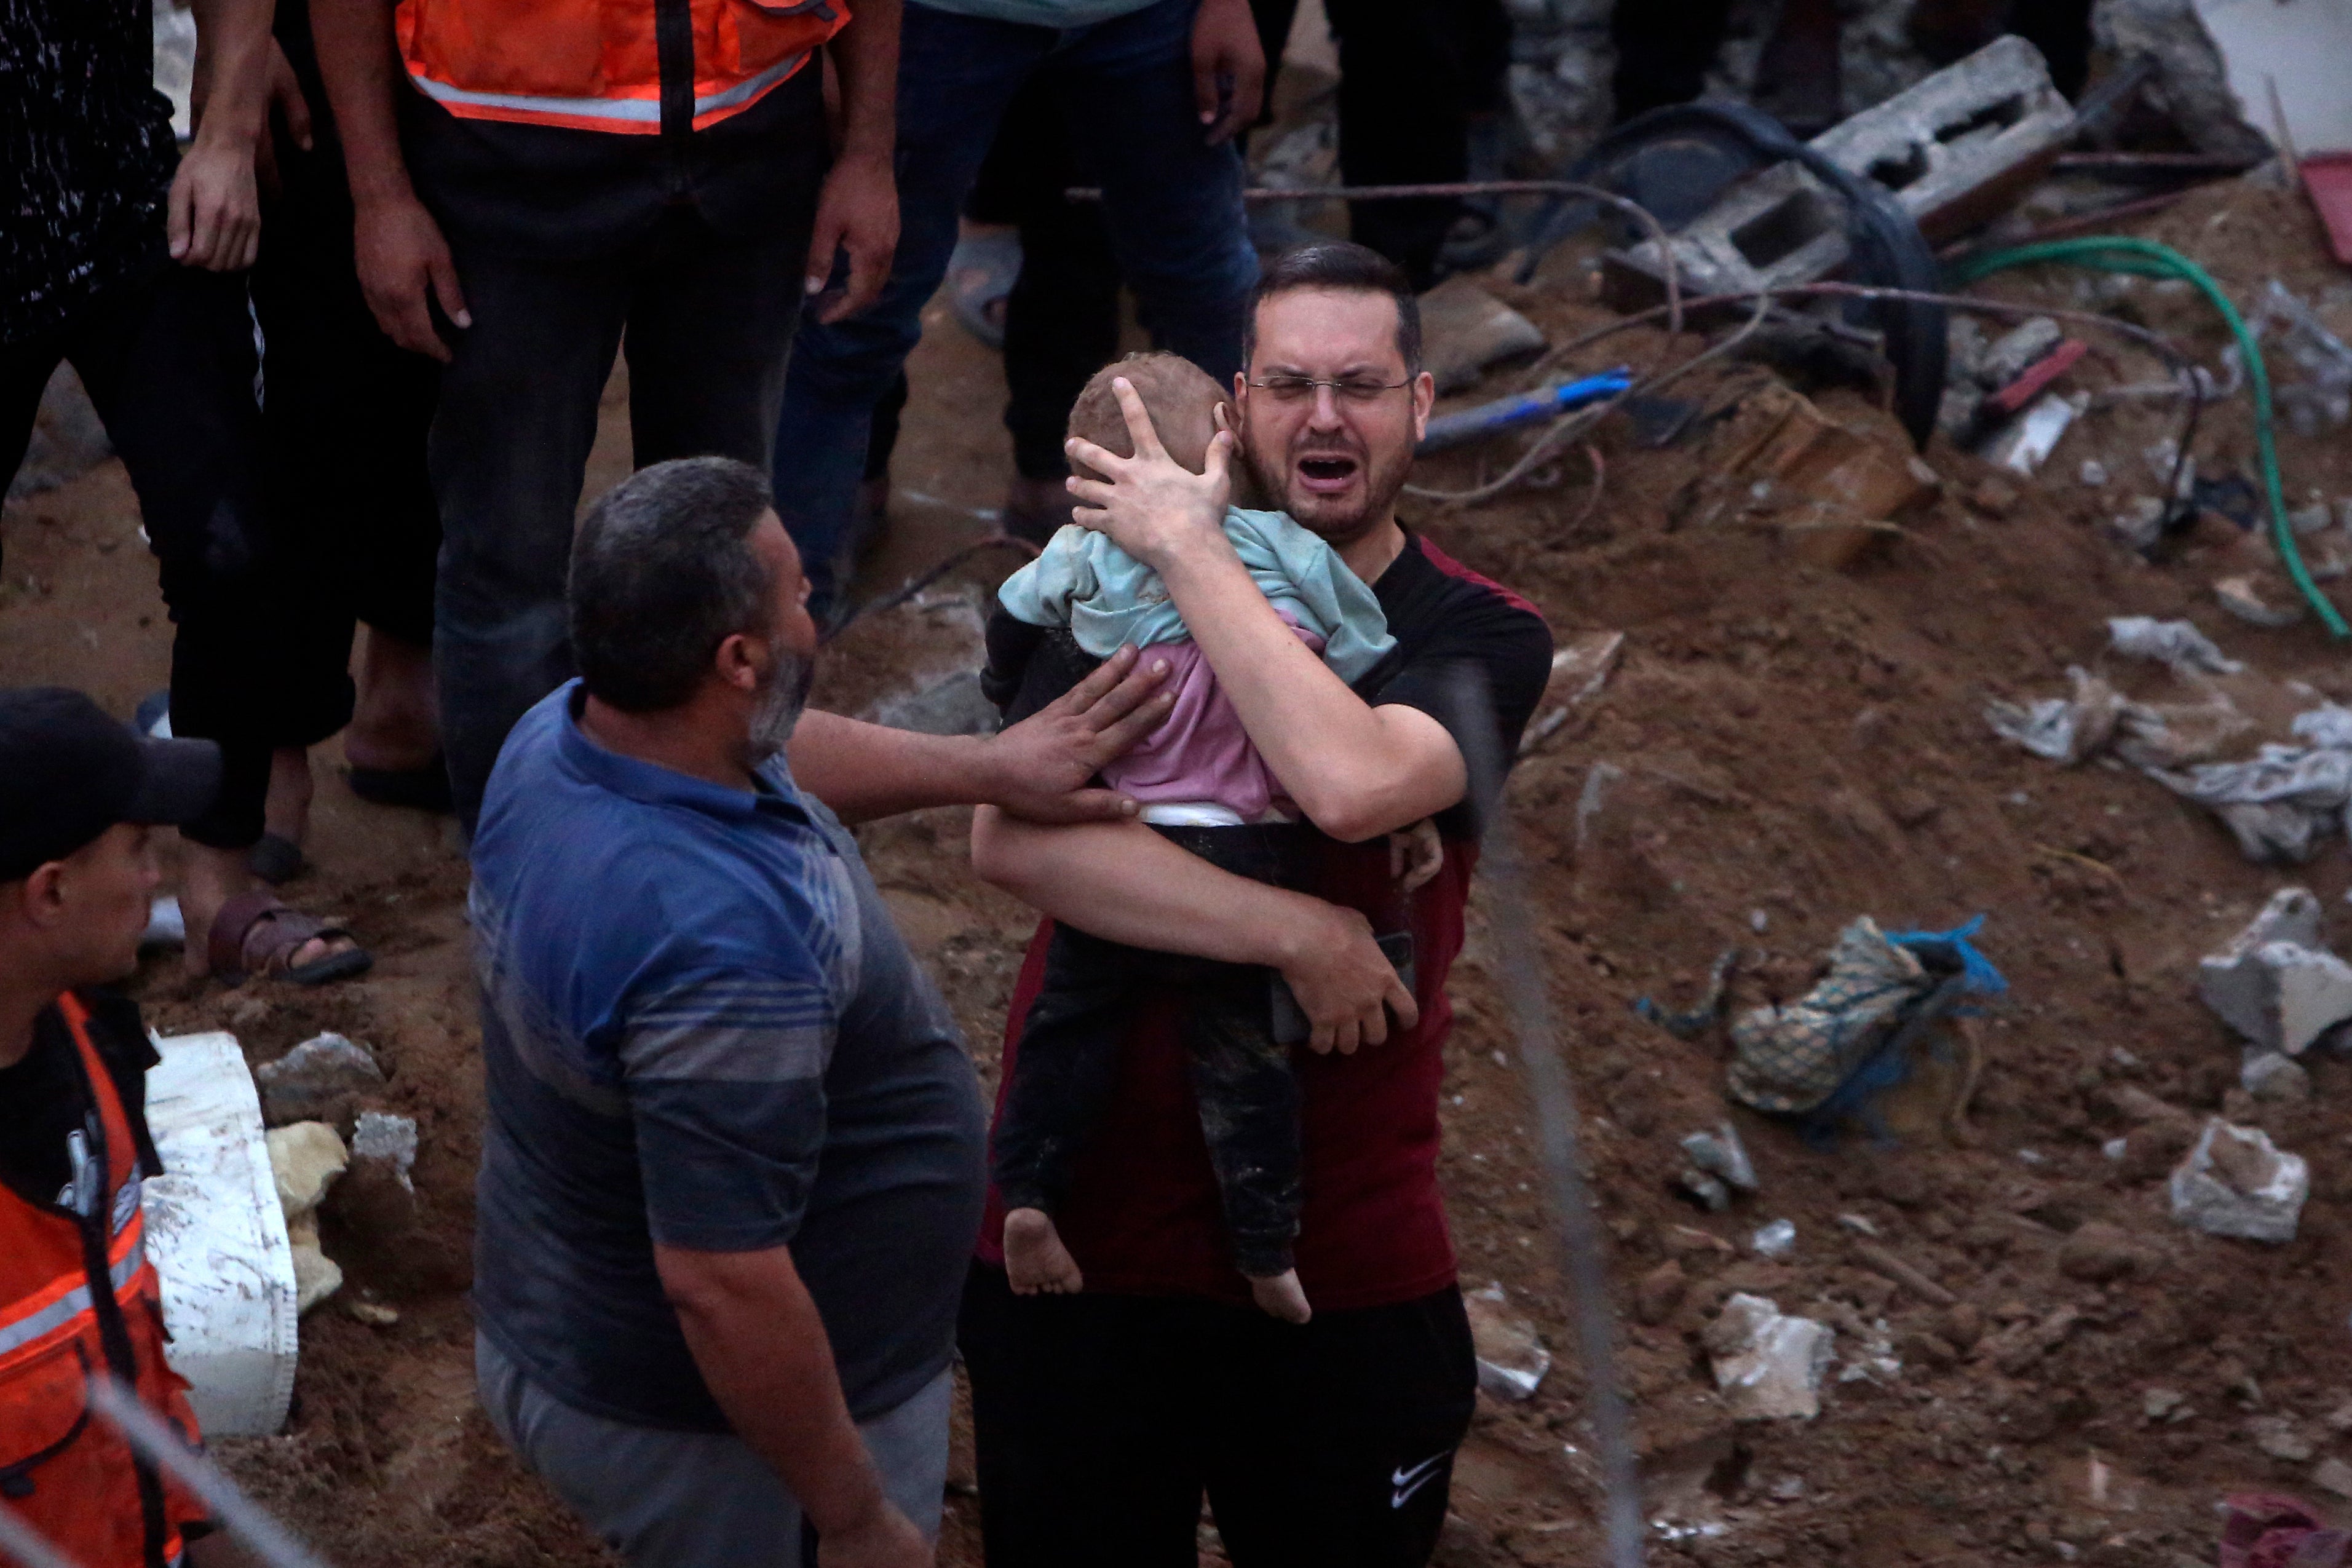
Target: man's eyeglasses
[{"x": 1349, "y": 389}]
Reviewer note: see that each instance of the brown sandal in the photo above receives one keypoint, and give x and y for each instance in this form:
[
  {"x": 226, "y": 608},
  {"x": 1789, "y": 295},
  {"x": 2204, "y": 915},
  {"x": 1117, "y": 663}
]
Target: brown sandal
[{"x": 257, "y": 934}]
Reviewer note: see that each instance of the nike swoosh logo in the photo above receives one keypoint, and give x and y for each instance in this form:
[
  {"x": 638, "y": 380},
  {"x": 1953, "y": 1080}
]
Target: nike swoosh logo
[{"x": 1407, "y": 1481}]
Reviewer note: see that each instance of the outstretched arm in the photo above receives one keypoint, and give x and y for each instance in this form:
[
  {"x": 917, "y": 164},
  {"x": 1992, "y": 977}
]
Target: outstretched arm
[
  {"x": 1123, "y": 883},
  {"x": 1356, "y": 770},
  {"x": 1037, "y": 769}
]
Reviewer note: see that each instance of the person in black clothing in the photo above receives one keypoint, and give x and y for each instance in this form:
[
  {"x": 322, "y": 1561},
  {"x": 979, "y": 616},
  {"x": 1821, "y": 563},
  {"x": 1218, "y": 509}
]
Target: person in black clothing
[
  {"x": 344, "y": 417},
  {"x": 126, "y": 259},
  {"x": 79, "y": 798}
]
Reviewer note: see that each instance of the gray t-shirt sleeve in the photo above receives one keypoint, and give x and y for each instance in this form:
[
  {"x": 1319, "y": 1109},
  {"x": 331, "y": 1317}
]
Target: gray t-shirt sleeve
[{"x": 724, "y": 1073}]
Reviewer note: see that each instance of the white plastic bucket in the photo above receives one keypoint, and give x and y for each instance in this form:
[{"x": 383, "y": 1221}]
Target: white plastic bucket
[{"x": 218, "y": 1237}]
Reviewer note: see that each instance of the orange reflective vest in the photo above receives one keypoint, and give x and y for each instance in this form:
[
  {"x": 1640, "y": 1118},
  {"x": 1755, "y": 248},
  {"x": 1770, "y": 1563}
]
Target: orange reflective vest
[
  {"x": 79, "y": 1299},
  {"x": 641, "y": 66}
]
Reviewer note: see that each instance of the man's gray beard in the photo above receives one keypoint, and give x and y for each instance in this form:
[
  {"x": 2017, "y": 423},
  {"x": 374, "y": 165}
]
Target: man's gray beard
[{"x": 776, "y": 706}]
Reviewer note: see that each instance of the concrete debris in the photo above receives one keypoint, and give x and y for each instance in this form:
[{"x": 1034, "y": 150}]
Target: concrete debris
[
  {"x": 2063, "y": 730},
  {"x": 2093, "y": 473},
  {"x": 1712, "y": 1195},
  {"x": 2233, "y": 982},
  {"x": 2191, "y": 84},
  {"x": 1767, "y": 1365},
  {"x": 1721, "y": 1154},
  {"x": 317, "y": 1081},
  {"x": 2177, "y": 645},
  {"x": 2239, "y": 597},
  {"x": 2162, "y": 1404},
  {"x": 1953, "y": 149},
  {"x": 374, "y": 1314},
  {"x": 1777, "y": 1238},
  {"x": 2017, "y": 350},
  {"x": 2286, "y": 798},
  {"x": 2325, "y": 399},
  {"x": 305, "y": 1158},
  {"x": 1511, "y": 1361},
  {"x": 2333, "y": 1475},
  {"x": 2236, "y": 1182},
  {"x": 2026, "y": 444},
  {"x": 2279, "y": 1436},
  {"x": 1579, "y": 671},
  {"x": 392, "y": 1139},
  {"x": 2271, "y": 1076},
  {"x": 1464, "y": 329}
]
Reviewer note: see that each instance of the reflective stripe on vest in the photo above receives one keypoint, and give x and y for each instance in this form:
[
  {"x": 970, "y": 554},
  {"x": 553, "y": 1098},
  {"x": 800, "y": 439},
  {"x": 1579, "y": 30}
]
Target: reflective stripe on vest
[
  {"x": 627, "y": 111},
  {"x": 48, "y": 1320}
]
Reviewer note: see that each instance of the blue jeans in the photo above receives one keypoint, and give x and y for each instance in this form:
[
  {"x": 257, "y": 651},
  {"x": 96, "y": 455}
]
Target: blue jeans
[{"x": 1172, "y": 202}]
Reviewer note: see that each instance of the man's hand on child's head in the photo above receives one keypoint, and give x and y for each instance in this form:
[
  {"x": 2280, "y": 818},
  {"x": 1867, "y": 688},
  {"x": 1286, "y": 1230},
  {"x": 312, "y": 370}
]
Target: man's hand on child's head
[
  {"x": 1040, "y": 768},
  {"x": 1151, "y": 505}
]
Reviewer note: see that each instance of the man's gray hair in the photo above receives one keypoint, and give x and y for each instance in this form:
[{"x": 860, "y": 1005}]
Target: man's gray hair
[{"x": 662, "y": 572}]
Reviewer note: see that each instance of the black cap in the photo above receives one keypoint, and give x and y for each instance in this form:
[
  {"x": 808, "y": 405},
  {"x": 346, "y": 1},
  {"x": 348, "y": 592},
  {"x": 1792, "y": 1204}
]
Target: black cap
[{"x": 68, "y": 772}]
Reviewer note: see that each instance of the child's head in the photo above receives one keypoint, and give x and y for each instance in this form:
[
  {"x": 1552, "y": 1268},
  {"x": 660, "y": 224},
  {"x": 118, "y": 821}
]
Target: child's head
[{"x": 1181, "y": 399}]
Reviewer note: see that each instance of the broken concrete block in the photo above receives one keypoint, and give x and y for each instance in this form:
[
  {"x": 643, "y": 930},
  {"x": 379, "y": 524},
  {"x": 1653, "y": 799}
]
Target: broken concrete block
[
  {"x": 1511, "y": 1361},
  {"x": 317, "y": 1081},
  {"x": 1767, "y": 1365},
  {"x": 392, "y": 1139},
  {"x": 1712, "y": 1195},
  {"x": 305, "y": 1158},
  {"x": 316, "y": 1275},
  {"x": 1463, "y": 329},
  {"x": 2236, "y": 1182},
  {"x": 2268, "y": 1075},
  {"x": 1953, "y": 149},
  {"x": 2193, "y": 84},
  {"x": 2312, "y": 991},
  {"x": 2236, "y": 984},
  {"x": 2017, "y": 350},
  {"x": 1721, "y": 1154},
  {"x": 2333, "y": 1476}
]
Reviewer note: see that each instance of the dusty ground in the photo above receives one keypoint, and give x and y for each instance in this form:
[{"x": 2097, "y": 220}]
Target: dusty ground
[{"x": 1794, "y": 746}]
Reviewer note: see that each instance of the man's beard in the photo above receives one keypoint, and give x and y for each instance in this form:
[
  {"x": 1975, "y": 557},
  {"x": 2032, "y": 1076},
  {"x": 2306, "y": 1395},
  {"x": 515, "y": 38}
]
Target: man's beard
[
  {"x": 776, "y": 706},
  {"x": 1335, "y": 519}
]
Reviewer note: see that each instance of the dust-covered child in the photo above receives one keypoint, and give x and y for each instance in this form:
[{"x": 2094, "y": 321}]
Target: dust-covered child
[{"x": 1200, "y": 782}]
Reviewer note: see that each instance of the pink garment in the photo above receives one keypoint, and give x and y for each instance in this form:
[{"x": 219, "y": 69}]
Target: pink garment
[{"x": 1200, "y": 751}]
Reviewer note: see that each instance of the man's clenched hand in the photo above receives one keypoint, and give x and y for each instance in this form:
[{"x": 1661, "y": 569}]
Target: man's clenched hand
[
  {"x": 402, "y": 257},
  {"x": 1345, "y": 984},
  {"x": 856, "y": 214},
  {"x": 1228, "y": 67},
  {"x": 1039, "y": 769}
]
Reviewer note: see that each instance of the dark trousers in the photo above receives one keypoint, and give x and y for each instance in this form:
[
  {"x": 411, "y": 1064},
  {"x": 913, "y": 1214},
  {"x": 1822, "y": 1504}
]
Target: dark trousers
[
  {"x": 708, "y": 321},
  {"x": 1173, "y": 206},
  {"x": 1101, "y": 1421},
  {"x": 1067, "y": 1063},
  {"x": 1412, "y": 73},
  {"x": 345, "y": 415},
  {"x": 168, "y": 364}
]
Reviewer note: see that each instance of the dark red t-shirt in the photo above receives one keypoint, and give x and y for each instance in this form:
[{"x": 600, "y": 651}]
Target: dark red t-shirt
[{"x": 1143, "y": 1216}]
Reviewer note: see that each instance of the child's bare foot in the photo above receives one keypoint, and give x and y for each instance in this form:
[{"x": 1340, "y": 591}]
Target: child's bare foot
[
  {"x": 1034, "y": 1258},
  {"x": 1278, "y": 1295},
  {"x": 1415, "y": 854}
]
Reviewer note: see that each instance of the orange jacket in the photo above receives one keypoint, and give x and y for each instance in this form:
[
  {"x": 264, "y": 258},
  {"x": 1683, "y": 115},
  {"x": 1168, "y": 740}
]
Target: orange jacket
[
  {"x": 78, "y": 1300},
  {"x": 597, "y": 65}
]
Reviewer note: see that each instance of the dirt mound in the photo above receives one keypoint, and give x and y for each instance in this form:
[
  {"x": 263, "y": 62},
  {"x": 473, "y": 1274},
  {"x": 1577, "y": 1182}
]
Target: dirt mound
[{"x": 1785, "y": 745}]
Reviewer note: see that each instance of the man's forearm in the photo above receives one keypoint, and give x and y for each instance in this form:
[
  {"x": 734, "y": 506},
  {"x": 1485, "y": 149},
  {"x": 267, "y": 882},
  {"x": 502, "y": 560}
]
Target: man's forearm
[
  {"x": 361, "y": 66},
  {"x": 1123, "y": 883},
  {"x": 233, "y": 38},
  {"x": 761, "y": 1348},
  {"x": 865, "y": 59},
  {"x": 1356, "y": 770},
  {"x": 863, "y": 771}
]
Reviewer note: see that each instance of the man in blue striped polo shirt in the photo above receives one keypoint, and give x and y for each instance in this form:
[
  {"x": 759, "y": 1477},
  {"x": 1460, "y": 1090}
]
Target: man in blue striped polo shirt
[{"x": 732, "y": 1167}]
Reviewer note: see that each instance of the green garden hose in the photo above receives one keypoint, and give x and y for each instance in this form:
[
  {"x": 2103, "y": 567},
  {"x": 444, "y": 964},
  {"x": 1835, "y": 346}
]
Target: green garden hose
[{"x": 2119, "y": 253}]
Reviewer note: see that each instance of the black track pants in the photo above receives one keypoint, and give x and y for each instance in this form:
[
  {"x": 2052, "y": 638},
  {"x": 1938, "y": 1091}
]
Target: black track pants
[{"x": 1102, "y": 1421}]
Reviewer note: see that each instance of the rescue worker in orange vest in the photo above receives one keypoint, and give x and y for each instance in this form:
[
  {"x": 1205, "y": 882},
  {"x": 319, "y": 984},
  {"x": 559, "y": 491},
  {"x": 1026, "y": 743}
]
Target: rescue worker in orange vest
[
  {"x": 79, "y": 795},
  {"x": 539, "y": 183}
]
